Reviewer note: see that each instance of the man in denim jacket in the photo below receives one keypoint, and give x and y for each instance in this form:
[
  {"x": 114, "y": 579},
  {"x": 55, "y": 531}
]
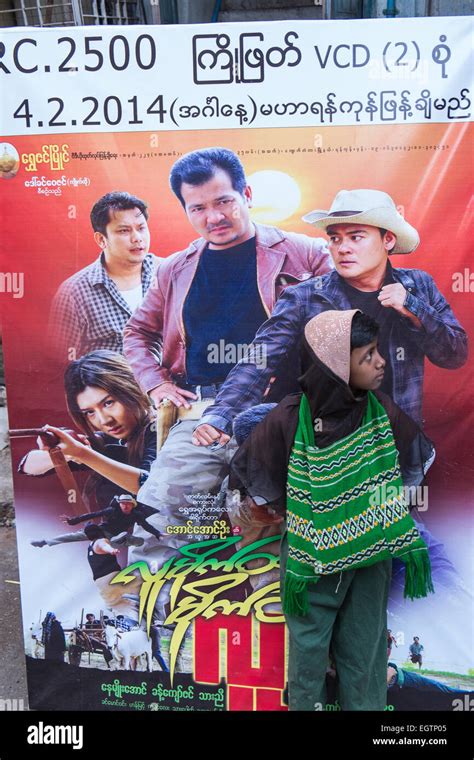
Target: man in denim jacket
[{"x": 364, "y": 227}]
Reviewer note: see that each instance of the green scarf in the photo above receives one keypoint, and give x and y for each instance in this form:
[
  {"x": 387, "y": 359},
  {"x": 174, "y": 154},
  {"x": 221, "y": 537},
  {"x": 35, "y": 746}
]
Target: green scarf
[{"x": 345, "y": 508}]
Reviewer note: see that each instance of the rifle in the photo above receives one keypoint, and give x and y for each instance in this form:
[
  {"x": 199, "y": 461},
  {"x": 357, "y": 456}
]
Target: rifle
[
  {"x": 66, "y": 477},
  {"x": 49, "y": 438}
]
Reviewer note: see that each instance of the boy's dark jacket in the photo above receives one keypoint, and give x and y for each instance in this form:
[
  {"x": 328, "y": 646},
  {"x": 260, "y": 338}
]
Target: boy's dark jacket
[{"x": 259, "y": 468}]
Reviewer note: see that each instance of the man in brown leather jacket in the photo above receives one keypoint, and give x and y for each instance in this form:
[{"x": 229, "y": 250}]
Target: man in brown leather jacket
[{"x": 196, "y": 322}]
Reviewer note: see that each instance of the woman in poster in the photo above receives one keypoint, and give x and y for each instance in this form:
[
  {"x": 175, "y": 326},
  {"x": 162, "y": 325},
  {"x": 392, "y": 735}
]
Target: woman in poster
[{"x": 117, "y": 438}]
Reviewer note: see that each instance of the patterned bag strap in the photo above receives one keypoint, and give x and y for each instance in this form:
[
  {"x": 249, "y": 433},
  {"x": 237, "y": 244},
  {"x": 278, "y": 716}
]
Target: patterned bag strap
[{"x": 305, "y": 421}]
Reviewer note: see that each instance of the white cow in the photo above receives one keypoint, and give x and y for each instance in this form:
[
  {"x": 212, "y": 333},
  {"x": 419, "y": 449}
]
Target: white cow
[{"x": 126, "y": 645}]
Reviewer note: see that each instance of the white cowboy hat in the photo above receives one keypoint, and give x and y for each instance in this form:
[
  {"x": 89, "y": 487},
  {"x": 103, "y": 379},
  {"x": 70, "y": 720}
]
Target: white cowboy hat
[{"x": 371, "y": 207}]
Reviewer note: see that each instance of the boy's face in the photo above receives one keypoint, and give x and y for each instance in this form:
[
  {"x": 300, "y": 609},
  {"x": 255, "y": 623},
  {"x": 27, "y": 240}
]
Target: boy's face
[{"x": 367, "y": 368}]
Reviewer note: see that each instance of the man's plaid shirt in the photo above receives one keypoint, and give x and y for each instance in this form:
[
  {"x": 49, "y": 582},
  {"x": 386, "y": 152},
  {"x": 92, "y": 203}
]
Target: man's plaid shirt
[{"x": 88, "y": 312}]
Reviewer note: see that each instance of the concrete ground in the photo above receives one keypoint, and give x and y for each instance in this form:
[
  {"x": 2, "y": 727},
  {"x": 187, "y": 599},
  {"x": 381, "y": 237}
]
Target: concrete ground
[{"x": 12, "y": 657}]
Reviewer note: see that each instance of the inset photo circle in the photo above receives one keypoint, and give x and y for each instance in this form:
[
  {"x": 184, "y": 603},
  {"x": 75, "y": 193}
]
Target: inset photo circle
[{"x": 9, "y": 161}]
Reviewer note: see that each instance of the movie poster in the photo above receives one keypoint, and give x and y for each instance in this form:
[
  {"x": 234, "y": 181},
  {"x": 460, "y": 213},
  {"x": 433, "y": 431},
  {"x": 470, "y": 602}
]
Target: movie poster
[{"x": 147, "y": 582}]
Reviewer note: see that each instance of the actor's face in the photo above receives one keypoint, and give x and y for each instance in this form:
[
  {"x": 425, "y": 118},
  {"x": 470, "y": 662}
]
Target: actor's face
[
  {"x": 105, "y": 413},
  {"x": 367, "y": 368},
  {"x": 217, "y": 212},
  {"x": 127, "y": 507},
  {"x": 358, "y": 249},
  {"x": 127, "y": 238}
]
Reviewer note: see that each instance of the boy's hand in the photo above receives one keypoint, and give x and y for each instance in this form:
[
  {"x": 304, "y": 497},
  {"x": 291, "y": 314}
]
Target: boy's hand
[
  {"x": 250, "y": 515},
  {"x": 393, "y": 296},
  {"x": 262, "y": 515}
]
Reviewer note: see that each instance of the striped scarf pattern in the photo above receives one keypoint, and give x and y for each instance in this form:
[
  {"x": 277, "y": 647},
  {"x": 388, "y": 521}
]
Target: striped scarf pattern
[{"x": 346, "y": 509}]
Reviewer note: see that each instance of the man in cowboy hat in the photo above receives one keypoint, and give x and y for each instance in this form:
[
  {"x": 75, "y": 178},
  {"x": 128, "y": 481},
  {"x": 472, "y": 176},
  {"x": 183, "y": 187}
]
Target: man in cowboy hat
[{"x": 415, "y": 319}]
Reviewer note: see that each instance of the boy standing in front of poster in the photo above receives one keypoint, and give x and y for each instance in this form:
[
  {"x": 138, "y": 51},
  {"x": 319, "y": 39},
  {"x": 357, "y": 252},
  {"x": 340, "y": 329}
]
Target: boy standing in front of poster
[{"x": 336, "y": 453}]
